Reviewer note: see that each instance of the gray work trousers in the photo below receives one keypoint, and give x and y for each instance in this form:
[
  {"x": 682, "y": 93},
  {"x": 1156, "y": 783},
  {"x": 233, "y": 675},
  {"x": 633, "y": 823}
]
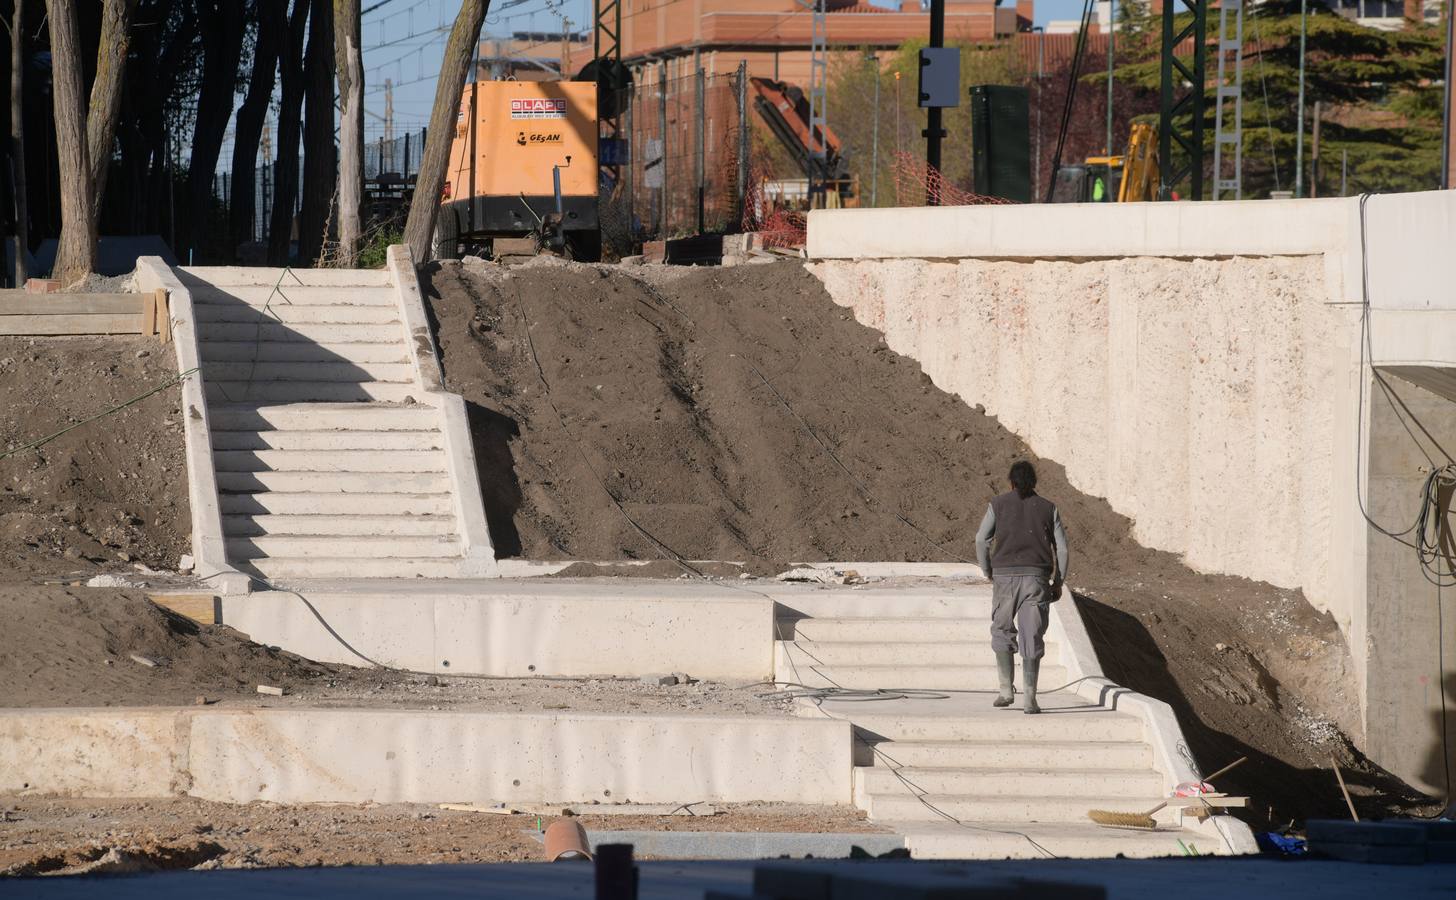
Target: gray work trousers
[{"x": 1019, "y": 607}]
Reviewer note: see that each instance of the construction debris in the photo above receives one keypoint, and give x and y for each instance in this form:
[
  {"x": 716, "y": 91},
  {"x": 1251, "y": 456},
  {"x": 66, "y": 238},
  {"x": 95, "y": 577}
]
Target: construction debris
[
  {"x": 142, "y": 660},
  {"x": 271, "y": 690}
]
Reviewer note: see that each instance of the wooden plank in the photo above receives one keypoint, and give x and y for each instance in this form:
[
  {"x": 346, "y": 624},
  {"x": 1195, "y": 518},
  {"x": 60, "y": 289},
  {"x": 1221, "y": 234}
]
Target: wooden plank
[
  {"x": 20, "y": 303},
  {"x": 164, "y": 316},
  {"x": 63, "y": 325},
  {"x": 200, "y": 608},
  {"x": 149, "y": 314}
]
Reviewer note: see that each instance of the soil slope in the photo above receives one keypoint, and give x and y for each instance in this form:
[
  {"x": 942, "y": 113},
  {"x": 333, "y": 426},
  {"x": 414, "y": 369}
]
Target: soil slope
[
  {"x": 739, "y": 414},
  {"x": 110, "y": 494}
]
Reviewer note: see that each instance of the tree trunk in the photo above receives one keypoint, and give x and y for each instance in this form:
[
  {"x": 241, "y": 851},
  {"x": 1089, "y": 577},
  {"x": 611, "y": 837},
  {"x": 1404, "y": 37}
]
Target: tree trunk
[
  {"x": 222, "y": 44},
  {"x": 106, "y": 89},
  {"x": 290, "y": 108},
  {"x": 350, "y": 66},
  {"x": 272, "y": 32},
  {"x": 420, "y": 226},
  {"x": 76, "y": 250},
  {"x": 318, "y": 132},
  {"x": 17, "y": 142}
]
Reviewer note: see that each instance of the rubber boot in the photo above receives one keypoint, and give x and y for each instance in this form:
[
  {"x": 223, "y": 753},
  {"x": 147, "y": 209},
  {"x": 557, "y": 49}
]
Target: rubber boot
[
  {"x": 1030, "y": 669},
  {"x": 1006, "y": 672}
]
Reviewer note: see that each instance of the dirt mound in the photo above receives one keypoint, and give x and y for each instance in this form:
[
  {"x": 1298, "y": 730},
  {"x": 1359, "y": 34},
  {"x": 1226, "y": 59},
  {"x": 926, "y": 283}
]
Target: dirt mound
[
  {"x": 739, "y": 414},
  {"x": 110, "y": 494},
  {"x": 72, "y": 647}
]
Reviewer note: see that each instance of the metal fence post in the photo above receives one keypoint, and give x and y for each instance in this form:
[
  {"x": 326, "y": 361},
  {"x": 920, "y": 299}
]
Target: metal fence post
[
  {"x": 631, "y": 162},
  {"x": 662, "y": 125},
  {"x": 742, "y": 141},
  {"x": 698, "y": 162}
]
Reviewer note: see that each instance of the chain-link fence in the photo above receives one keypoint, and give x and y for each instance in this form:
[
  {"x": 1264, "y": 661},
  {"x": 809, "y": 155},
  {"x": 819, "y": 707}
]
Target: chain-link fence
[{"x": 687, "y": 146}]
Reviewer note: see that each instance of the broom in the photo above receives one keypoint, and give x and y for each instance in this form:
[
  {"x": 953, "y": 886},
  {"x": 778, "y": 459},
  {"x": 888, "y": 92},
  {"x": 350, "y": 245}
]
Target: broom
[{"x": 1144, "y": 821}]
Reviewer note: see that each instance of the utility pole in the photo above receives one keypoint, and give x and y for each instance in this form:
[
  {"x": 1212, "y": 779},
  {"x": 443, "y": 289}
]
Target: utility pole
[
  {"x": 388, "y": 127},
  {"x": 1299, "y": 129}
]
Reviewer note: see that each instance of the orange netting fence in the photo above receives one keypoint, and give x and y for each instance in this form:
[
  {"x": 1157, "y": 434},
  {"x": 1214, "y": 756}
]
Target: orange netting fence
[{"x": 916, "y": 184}]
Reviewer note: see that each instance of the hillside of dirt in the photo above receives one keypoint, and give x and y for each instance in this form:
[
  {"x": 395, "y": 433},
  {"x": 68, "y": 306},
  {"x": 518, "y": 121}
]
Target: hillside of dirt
[
  {"x": 108, "y": 495},
  {"x": 739, "y": 414}
]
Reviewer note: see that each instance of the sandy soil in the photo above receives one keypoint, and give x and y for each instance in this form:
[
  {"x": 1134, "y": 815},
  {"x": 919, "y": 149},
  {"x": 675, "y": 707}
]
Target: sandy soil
[
  {"x": 109, "y": 495},
  {"x": 65, "y": 646},
  {"x": 702, "y": 404},
  {"x": 40, "y": 836}
]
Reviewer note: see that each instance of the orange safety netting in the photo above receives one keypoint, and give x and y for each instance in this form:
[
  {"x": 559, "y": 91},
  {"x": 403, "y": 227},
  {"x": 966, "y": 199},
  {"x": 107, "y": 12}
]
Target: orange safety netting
[{"x": 916, "y": 184}]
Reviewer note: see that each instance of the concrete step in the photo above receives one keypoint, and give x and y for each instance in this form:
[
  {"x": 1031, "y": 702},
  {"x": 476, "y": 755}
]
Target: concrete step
[
  {"x": 286, "y": 295},
  {"x": 996, "y": 753},
  {"x": 264, "y": 370},
  {"x": 906, "y": 675},
  {"x": 293, "y": 546},
  {"x": 332, "y": 482},
  {"x": 298, "y": 351},
  {"x": 903, "y": 806},
  {"x": 317, "y": 333},
  {"x": 884, "y": 653},
  {"x": 1019, "y": 840},
  {"x": 278, "y": 503},
  {"x": 1000, "y": 726},
  {"x": 1058, "y": 780},
  {"x": 290, "y": 314},
  {"x": 303, "y": 391},
  {"x": 266, "y": 276},
  {"x": 274, "y": 568},
  {"x": 972, "y": 600},
  {"x": 329, "y": 460},
  {"x": 253, "y": 525},
  {"x": 323, "y": 417},
  {"x": 331, "y": 441},
  {"x": 902, "y": 629}
]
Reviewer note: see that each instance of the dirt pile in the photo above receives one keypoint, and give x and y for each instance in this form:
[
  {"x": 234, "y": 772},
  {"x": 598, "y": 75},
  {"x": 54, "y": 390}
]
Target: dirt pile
[
  {"x": 739, "y": 414},
  {"x": 111, "y": 494}
]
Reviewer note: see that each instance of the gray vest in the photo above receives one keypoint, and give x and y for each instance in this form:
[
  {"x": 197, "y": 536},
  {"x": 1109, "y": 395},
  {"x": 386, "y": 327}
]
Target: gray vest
[{"x": 1023, "y": 532}]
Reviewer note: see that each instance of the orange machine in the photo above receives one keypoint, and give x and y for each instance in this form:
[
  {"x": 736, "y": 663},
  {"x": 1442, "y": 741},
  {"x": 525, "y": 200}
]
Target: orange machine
[{"x": 523, "y": 162}]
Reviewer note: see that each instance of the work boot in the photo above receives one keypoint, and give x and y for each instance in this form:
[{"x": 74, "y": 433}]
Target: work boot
[
  {"x": 1006, "y": 672},
  {"x": 1030, "y": 669}
]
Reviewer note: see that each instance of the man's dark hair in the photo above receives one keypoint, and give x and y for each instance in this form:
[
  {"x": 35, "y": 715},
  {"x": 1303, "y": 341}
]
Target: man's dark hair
[{"x": 1023, "y": 478}]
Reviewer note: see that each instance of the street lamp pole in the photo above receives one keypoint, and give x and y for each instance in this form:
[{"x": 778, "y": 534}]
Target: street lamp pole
[{"x": 875, "y": 141}]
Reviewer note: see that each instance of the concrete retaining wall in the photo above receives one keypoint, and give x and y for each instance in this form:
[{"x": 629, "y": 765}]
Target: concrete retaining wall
[
  {"x": 520, "y": 628},
  {"x": 1197, "y": 364},
  {"x": 412, "y": 756}
]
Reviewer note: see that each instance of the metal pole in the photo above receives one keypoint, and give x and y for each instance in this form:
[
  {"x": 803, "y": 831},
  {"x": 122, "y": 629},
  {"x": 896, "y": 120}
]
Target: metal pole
[
  {"x": 933, "y": 128},
  {"x": 628, "y": 188},
  {"x": 1040, "y": 71},
  {"x": 1110, "y": 20},
  {"x": 1344, "y": 169},
  {"x": 662, "y": 158},
  {"x": 875, "y": 142},
  {"x": 742, "y": 139},
  {"x": 1314, "y": 154},
  {"x": 1446, "y": 132},
  {"x": 1299, "y": 108},
  {"x": 698, "y": 161}
]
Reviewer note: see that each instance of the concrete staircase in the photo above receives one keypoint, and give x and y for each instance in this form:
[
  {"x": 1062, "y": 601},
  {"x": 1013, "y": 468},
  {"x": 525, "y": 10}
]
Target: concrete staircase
[
  {"x": 958, "y": 777},
  {"x": 331, "y": 456}
]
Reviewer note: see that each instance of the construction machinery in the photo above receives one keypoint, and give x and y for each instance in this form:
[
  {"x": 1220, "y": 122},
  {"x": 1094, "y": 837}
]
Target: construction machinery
[
  {"x": 1126, "y": 178},
  {"x": 523, "y": 163},
  {"x": 784, "y": 108}
]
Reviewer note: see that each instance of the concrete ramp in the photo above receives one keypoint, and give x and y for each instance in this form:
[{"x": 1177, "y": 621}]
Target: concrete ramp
[{"x": 333, "y": 447}]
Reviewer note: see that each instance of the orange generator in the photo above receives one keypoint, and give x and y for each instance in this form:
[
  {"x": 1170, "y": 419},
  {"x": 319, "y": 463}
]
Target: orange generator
[{"x": 523, "y": 162}]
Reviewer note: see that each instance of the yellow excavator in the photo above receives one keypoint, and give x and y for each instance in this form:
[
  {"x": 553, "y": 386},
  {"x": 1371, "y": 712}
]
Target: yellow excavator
[{"x": 1127, "y": 178}]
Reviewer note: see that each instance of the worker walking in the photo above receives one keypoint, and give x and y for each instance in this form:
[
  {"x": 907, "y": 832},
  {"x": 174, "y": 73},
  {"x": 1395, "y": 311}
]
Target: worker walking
[{"x": 1027, "y": 567}]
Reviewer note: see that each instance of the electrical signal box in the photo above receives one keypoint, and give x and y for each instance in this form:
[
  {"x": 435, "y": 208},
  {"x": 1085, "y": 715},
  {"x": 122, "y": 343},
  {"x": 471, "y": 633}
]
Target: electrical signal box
[{"x": 940, "y": 77}]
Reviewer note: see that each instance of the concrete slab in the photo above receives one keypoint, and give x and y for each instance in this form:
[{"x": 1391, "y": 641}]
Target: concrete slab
[
  {"x": 519, "y": 628},
  {"x": 416, "y": 756}
]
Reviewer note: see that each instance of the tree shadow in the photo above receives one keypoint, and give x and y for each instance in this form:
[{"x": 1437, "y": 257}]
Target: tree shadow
[{"x": 1278, "y": 791}]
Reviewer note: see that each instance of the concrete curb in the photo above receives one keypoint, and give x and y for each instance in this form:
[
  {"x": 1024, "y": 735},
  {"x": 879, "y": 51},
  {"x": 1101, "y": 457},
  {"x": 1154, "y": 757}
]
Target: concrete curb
[
  {"x": 209, "y": 550},
  {"x": 1164, "y": 734},
  {"x": 479, "y": 551},
  {"x": 418, "y": 756},
  {"x": 747, "y": 844}
]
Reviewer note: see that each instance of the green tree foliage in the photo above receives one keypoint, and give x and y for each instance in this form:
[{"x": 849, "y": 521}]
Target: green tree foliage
[{"x": 1380, "y": 100}]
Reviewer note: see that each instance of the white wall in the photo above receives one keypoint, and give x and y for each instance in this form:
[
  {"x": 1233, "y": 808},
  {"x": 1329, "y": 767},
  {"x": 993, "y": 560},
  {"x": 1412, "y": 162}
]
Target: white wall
[{"x": 1197, "y": 364}]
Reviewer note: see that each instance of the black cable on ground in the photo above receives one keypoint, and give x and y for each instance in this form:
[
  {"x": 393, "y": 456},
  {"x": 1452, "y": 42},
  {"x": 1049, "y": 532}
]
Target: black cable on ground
[{"x": 178, "y": 379}]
